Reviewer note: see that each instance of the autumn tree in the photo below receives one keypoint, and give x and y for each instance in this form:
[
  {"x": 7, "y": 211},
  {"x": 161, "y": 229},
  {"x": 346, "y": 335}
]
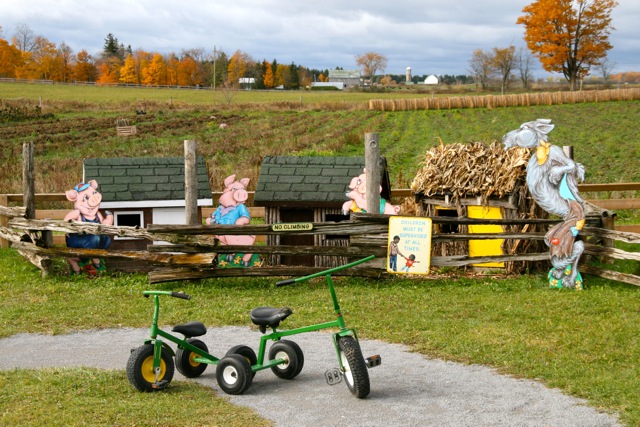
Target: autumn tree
[
  {"x": 84, "y": 69},
  {"x": 503, "y": 63},
  {"x": 10, "y": 59},
  {"x": 268, "y": 78},
  {"x": 237, "y": 66},
  {"x": 481, "y": 67},
  {"x": 24, "y": 38},
  {"x": 524, "y": 63},
  {"x": 155, "y": 73},
  {"x": 568, "y": 36},
  {"x": 128, "y": 72},
  {"x": 371, "y": 63}
]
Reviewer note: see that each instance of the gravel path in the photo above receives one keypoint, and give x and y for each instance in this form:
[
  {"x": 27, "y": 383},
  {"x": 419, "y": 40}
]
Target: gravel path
[{"x": 406, "y": 390}]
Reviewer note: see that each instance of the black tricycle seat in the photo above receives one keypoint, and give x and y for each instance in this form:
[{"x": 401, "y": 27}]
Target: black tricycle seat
[
  {"x": 269, "y": 316},
  {"x": 191, "y": 329}
]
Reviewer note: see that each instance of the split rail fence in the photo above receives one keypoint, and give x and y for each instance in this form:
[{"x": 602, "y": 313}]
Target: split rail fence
[{"x": 193, "y": 250}]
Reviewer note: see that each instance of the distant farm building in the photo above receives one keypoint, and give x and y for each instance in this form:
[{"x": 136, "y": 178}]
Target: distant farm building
[
  {"x": 247, "y": 82},
  {"x": 431, "y": 80},
  {"x": 350, "y": 78}
]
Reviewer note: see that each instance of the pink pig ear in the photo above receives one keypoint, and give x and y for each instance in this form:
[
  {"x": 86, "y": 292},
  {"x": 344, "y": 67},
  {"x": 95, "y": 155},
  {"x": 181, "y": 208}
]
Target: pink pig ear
[
  {"x": 93, "y": 183},
  {"x": 72, "y": 195},
  {"x": 244, "y": 181},
  {"x": 229, "y": 180}
]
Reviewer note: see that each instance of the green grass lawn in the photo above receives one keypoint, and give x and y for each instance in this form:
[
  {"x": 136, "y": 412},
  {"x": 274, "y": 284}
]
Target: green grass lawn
[{"x": 584, "y": 343}]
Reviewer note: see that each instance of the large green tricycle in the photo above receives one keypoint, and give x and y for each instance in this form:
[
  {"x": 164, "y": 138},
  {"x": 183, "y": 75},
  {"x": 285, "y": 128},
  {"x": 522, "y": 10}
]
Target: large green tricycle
[{"x": 151, "y": 366}]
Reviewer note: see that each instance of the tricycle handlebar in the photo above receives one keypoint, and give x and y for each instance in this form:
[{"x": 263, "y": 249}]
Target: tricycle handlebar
[
  {"x": 325, "y": 272},
  {"x": 169, "y": 293},
  {"x": 285, "y": 282}
]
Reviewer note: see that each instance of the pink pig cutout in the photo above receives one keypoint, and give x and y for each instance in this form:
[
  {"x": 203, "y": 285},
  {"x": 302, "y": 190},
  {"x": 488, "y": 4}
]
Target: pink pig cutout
[
  {"x": 86, "y": 202},
  {"x": 233, "y": 211},
  {"x": 358, "y": 196}
]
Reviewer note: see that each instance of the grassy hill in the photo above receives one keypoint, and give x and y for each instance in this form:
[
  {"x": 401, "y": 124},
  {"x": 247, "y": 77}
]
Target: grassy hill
[{"x": 603, "y": 135}]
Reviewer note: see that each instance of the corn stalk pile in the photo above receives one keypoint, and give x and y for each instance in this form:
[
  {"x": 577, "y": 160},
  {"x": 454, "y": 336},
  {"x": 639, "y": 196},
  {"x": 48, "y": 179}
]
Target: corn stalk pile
[{"x": 471, "y": 170}]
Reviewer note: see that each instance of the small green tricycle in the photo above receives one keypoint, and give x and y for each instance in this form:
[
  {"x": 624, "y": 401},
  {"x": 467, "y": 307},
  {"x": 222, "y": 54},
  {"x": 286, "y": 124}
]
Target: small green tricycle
[{"x": 151, "y": 366}]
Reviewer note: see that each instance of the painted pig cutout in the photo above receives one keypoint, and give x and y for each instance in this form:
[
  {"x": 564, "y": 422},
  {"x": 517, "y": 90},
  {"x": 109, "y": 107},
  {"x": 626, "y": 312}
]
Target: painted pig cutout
[
  {"x": 358, "y": 195},
  {"x": 86, "y": 203},
  {"x": 233, "y": 211}
]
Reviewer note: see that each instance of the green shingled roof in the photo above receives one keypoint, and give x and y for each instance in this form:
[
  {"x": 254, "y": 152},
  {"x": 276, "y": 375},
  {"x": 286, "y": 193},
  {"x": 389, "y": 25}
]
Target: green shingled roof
[
  {"x": 308, "y": 181},
  {"x": 124, "y": 179}
]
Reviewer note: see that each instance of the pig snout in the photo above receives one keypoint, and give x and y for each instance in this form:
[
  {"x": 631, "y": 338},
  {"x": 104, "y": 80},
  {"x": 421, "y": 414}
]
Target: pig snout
[{"x": 240, "y": 195}]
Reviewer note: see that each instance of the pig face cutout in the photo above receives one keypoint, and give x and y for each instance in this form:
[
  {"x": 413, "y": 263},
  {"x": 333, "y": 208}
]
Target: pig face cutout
[{"x": 86, "y": 199}]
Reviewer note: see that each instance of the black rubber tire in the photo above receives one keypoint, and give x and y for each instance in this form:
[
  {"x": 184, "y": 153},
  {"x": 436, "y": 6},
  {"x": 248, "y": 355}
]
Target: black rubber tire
[
  {"x": 246, "y": 352},
  {"x": 233, "y": 374},
  {"x": 355, "y": 375},
  {"x": 184, "y": 359},
  {"x": 290, "y": 351},
  {"x": 140, "y": 368}
]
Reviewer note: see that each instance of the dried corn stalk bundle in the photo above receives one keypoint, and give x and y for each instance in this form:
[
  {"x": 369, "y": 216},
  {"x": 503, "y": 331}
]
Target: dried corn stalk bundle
[{"x": 471, "y": 170}]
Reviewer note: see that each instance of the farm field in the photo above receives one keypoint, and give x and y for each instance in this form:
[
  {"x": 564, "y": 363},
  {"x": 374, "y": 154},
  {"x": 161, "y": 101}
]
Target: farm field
[
  {"x": 81, "y": 124},
  {"x": 584, "y": 343}
]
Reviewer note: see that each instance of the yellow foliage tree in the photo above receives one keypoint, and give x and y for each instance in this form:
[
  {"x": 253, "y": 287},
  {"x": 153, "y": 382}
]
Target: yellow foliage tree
[
  {"x": 568, "y": 36},
  {"x": 371, "y": 63},
  {"x": 237, "y": 67},
  {"x": 128, "y": 72},
  {"x": 155, "y": 73}
]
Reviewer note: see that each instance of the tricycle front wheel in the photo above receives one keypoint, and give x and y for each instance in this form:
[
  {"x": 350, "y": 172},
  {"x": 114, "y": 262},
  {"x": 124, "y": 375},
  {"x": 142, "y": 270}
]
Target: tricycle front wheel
[
  {"x": 233, "y": 373},
  {"x": 140, "y": 371},
  {"x": 185, "y": 359},
  {"x": 293, "y": 359},
  {"x": 355, "y": 369}
]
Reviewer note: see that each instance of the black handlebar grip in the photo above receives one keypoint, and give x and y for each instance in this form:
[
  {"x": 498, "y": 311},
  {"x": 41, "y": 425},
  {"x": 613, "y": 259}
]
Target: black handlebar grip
[
  {"x": 285, "y": 282},
  {"x": 180, "y": 295}
]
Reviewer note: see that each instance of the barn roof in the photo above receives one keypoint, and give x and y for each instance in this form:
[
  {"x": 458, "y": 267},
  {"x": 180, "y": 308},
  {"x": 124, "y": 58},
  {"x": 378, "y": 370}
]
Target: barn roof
[
  {"x": 471, "y": 170},
  {"x": 141, "y": 179},
  {"x": 309, "y": 181}
]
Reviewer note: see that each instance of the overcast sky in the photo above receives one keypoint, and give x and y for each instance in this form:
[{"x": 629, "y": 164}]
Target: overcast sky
[{"x": 431, "y": 37}]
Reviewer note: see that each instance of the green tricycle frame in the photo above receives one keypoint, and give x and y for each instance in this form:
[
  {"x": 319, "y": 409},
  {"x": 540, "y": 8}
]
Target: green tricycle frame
[{"x": 151, "y": 366}]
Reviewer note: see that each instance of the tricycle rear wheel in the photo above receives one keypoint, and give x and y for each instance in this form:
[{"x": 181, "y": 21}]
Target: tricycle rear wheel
[
  {"x": 185, "y": 362},
  {"x": 355, "y": 370},
  {"x": 140, "y": 371},
  {"x": 246, "y": 352}
]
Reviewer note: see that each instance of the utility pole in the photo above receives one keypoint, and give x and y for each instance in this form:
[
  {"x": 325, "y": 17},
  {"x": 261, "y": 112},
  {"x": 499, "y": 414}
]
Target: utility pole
[{"x": 214, "y": 67}]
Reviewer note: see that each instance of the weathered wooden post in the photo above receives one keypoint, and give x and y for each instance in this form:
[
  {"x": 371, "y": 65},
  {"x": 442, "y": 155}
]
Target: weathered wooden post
[
  {"x": 4, "y": 201},
  {"x": 373, "y": 164},
  {"x": 28, "y": 186},
  {"x": 190, "y": 182}
]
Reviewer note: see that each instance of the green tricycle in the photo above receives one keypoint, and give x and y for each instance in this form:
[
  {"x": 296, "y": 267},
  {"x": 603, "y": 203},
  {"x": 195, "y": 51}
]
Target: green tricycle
[{"x": 151, "y": 366}]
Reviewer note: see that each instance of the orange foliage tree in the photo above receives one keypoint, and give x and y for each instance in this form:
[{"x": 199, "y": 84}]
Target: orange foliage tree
[
  {"x": 10, "y": 59},
  {"x": 268, "y": 78},
  {"x": 568, "y": 36},
  {"x": 84, "y": 69}
]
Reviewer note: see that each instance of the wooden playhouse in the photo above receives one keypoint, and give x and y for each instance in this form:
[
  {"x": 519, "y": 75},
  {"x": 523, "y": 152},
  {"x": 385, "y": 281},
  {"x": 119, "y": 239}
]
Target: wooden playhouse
[{"x": 308, "y": 189}]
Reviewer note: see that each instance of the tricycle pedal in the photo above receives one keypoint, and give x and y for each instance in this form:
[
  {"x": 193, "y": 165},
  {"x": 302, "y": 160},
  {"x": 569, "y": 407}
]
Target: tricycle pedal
[
  {"x": 373, "y": 361},
  {"x": 160, "y": 385},
  {"x": 333, "y": 376}
]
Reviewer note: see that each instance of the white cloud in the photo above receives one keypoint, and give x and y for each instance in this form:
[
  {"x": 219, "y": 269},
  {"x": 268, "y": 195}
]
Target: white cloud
[{"x": 429, "y": 36}]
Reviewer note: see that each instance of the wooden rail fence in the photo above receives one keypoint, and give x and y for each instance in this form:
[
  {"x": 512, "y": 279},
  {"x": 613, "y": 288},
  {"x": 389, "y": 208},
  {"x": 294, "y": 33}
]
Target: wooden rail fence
[{"x": 194, "y": 249}]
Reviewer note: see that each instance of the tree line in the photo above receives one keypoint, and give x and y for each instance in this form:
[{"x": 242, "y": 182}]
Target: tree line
[
  {"x": 30, "y": 56},
  {"x": 570, "y": 37}
]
